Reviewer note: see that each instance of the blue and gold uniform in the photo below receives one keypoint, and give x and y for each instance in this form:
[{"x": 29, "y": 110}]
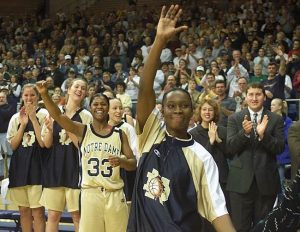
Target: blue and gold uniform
[
  {"x": 25, "y": 171},
  {"x": 62, "y": 182},
  {"x": 177, "y": 183}
]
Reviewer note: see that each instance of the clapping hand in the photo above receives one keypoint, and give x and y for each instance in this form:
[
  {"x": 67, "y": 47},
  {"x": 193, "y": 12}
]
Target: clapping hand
[
  {"x": 212, "y": 132},
  {"x": 23, "y": 117},
  {"x": 30, "y": 110},
  {"x": 247, "y": 125},
  {"x": 261, "y": 126}
]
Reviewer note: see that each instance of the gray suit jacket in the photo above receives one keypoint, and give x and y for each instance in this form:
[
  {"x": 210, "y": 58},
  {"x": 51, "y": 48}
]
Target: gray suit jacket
[
  {"x": 294, "y": 145},
  {"x": 252, "y": 158}
]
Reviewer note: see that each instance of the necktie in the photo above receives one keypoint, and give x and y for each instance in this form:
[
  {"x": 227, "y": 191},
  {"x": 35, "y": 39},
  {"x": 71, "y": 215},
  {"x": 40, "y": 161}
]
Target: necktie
[{"x": 254, "y": 124}]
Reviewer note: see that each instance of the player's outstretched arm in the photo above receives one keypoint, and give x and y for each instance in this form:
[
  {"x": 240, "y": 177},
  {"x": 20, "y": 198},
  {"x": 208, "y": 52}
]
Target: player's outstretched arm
[
  {"x": 74, "y": 127},
  {"x": 166, "y": 28}
]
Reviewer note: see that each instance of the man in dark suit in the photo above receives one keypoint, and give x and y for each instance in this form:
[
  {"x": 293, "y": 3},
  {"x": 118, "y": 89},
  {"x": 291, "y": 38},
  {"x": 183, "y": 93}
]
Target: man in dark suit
[
  {"x": 254, "y": 137},
  {"x": 294, "y": 145}
]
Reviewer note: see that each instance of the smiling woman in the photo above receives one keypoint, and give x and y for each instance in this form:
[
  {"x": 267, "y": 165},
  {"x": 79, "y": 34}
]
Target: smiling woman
[
  {"x": 25, "y": 184},
  {"x": 105, "y": 149},
  {"x": 212, "y": 137},
  {"x": 62, "y": 166}
]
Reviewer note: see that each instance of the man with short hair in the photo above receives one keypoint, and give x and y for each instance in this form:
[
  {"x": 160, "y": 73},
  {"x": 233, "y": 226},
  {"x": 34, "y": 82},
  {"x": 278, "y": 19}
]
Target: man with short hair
[
  {"x": 193, "y": 56},
  {"x": 227, "y": 104},
  {"x": 254, "y": 138},
  {"x": 275, "y": 83}
]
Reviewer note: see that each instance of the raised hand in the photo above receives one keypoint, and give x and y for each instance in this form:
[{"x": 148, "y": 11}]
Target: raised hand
[
  {"x": 42, "y": 87},
  {"x": 247, "y": 125},
  {"x": 261, "y": 126},
  {"x": 23, "y": 117},
  {"x": 166, "y": 27},
  {"x": 278, "y": 51}
]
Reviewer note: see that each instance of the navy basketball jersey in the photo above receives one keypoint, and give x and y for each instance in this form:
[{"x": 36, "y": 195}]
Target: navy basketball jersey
[
  {"x": 26, "y": 161},
  {"x": 177, "y": 183},
  {"x": 62, "y": 163}
]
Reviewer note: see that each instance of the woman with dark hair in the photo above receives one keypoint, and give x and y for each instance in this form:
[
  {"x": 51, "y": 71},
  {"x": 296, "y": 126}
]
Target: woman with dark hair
[
  {"x": 105, "y": 149},
  {"x": 177, "y": 179}
]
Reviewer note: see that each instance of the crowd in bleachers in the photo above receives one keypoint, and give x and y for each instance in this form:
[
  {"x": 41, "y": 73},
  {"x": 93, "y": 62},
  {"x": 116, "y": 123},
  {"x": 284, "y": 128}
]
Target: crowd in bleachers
[
  {"x": 113, "y": 47},
  {"x": 226, "y": 47}
]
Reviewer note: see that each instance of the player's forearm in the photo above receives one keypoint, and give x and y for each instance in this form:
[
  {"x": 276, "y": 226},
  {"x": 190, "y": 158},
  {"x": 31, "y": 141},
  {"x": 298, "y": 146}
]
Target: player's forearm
[
  {"x": 128, "y": 164},
  {"x": 37, "y": 131},
  {"x": 17, "y": 139},
  {"x": 48, "y": 138},
  {"x": 223, "y": 224},
  {"x": 51, "y": 107}
]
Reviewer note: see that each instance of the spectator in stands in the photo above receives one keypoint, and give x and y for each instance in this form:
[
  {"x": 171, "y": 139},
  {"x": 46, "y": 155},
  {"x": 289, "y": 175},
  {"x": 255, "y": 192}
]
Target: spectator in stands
[
  {"x": 106, "y": 83},
  {"x": 166, "y": 55},
  {"x": 240, "y": 94},
  {"x": 55, "y": 73},
  {"x": 119, "y": 75},
  {"x": 236, "y": 71},
  {"x": 192, "y": 89},
  {"x": 295, "y": 47},
  {"x": 212, "y": 137},
  {"x": 14, "y": 91},
  {"x": 71, "y": 76},
  {"x": 193, "y": 56},
  {"x": 120, "y": 93},
  {"x": 123, "y": 48},
  {"x": 275, "y": 83},
  {"x": 280, "y": 107},
  {"x": 184, "y": 81},
  {"x": 262, "y": 60},
  {"x": 6, "y": 112},
  {"x": 293, "y": 70},
  {"x": 146, "y": 47},
  {"x": 227, "y": 104},
  {"x": 182, "y": 69},
  {"x": 216, "y": 48},
  {"x": 178, "y": 55},
  {"x": 258, "y": 76},
  {"x": 132, "y": 89},
  {"x": 88, "y": 76}
]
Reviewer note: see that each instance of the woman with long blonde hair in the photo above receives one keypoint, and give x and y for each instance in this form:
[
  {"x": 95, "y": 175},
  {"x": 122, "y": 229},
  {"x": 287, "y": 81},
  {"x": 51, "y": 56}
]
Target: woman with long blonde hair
[{"x": 25, "y": 171}]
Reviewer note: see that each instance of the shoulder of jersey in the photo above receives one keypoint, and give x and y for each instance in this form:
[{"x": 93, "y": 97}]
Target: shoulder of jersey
[{"x": 200, "y": 151}]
